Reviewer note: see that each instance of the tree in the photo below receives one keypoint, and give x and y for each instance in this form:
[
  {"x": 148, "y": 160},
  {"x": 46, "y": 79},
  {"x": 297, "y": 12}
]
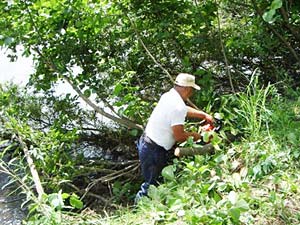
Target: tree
[{"x": 128, "y": 51}]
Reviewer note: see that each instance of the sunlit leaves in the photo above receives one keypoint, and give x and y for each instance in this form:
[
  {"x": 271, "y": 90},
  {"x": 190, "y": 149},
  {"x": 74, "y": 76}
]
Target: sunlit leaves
[
  {"x": 268, "y": 16},
  {"x": 76, "y": 202},
  {"x": 56, "y": 200},
  {"x": 168, "y": 172}
]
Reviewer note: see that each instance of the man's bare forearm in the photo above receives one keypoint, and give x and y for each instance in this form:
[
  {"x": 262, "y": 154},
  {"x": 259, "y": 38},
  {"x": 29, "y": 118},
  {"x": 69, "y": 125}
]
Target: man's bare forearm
[{"x": 194, "y": 113}]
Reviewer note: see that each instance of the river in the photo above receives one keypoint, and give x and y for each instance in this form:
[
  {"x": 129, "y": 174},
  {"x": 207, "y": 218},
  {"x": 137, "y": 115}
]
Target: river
[
  {"x": 10, "y": 205},
  {"x": 10, "y": 202}
]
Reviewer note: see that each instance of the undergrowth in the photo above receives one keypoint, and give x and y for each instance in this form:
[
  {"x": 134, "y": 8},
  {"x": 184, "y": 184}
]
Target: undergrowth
[{"x": 252, "y": 180}]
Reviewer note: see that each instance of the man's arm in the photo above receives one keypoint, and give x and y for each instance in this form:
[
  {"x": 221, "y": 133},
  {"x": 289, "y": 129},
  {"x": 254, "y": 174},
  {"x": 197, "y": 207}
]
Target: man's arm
[
  {"x": 181, "y": 135},
  {"x": 194, "y": 113}
]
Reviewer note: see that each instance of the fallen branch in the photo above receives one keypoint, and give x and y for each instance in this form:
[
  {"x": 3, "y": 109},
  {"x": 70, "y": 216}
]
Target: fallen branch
[
  {"x": 112, "y": 176},
  {"x": 83, "y": 192},
  {"x": 34, "y": 173},
  {"x": 203, "y": 150}
]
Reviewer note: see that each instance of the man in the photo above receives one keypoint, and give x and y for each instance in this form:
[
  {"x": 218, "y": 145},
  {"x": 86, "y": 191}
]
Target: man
[{"x": 166, "y": 127}]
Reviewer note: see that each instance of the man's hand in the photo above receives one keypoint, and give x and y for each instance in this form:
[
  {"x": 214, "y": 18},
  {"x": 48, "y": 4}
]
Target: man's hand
[
  {"x": 209, "y": 119},
  {"x": 196, "y": 136}
]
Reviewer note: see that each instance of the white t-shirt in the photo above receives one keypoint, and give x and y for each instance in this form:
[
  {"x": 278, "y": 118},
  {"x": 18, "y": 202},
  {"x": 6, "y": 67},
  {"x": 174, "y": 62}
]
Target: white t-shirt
[{"x": 170, "y": 110}]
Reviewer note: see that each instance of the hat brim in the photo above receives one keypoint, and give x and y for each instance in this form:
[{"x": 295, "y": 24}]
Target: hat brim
[{"x": 195, "y": 86}]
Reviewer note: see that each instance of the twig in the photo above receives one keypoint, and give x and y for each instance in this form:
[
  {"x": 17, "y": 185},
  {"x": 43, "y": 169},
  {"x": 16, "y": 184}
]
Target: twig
[
  {"x": 148, "y": 52},
  {"x": 223, "y": 51},
  {"x": 87, "y": 194}
]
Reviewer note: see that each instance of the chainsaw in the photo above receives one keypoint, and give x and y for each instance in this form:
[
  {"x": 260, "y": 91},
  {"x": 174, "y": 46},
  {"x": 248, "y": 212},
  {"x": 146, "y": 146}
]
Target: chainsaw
[
  {"x": 216, "y": 126},
  {"x": 208, "y": 127}
]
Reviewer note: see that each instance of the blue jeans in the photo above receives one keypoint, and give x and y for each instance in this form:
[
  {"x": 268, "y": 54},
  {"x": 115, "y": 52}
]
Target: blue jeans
[{"x": 153, "y": 159}]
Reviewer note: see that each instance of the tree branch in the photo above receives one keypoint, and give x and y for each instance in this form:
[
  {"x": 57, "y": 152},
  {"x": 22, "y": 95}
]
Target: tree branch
[
  {"x": 206, "y": 149},
  {"x": 292, "y": 51},
  {"x": 223, "y": 51},
  {"x": 154, "y": 60},
  {"x": 51, "y": 64},
  {"x": 101, "y": 111}
]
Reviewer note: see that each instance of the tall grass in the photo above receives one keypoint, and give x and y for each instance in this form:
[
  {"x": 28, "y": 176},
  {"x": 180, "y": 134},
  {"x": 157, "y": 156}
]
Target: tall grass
[{"x": 252, "y": 106}]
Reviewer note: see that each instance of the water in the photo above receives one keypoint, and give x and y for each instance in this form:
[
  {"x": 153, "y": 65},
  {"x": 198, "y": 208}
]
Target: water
[{"x": 10, "y": 205}]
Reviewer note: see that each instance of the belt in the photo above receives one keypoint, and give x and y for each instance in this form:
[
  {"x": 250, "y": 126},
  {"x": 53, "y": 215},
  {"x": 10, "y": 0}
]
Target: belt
[{"x": 150, "y": 141}]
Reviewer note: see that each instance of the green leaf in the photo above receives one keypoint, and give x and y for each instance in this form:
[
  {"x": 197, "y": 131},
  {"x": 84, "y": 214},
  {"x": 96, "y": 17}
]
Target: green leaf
[
  {"x": 65, "y": 195},
  {"x": 76, "y": 202},
  {"x": 242, "y": 205},
  {"x": 56, "y": 200},
  {"x": 219, "y": 116},
  {"x": 216, "y": 139},
  {"x": 8, "y": 40},
  {"x": 154, "y": 193},
  {"x": 232, "y": 197},
  {"x": 292, "y": 137},
  {"x": 168, "y": 172},
  {"x": 203, "y": 169},
  {"x": 257, "y": 170},
  {"x": 87, "y": 93},
  {"x": 134, "y": 132},
  {"x": 221, "y": 158},
  {"x": 206, "y": 136},
  {"x": 235, "y": 213},
  {"x": 118, "y": 89},
  {"x": 177, "y": 204},
  {"x": 276, "y": 4},
  {"x": 190, "y": 141},
  {"x": 268, "y": 16}
]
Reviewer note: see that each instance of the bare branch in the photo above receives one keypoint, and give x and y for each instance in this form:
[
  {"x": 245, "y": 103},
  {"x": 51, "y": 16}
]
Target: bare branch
[
  {"x": 224, "y": 53},
  {"x": 34, "y": 173}
]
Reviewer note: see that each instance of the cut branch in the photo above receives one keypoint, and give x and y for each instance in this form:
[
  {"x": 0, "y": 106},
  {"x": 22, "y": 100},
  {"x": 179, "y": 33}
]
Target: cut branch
[{"x": 206, "y": 149}]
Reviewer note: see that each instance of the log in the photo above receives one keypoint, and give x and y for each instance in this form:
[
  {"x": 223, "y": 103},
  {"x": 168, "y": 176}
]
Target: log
[{"x": 203, "y": 150}]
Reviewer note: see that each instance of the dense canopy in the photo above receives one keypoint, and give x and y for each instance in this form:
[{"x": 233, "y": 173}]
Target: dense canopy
[{"x": 127, "y": 52}]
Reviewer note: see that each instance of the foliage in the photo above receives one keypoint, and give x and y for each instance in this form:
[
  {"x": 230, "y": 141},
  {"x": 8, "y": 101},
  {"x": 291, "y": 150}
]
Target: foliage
[
  {"x": 253, "y": 181},
  {"x": 52, "y": 208},
  {"x": 95, "y": 45}
]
